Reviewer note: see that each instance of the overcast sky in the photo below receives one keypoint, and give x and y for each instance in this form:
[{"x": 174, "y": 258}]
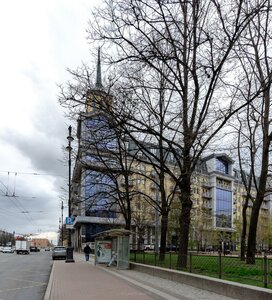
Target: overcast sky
[{"x": 39, "y": 40}]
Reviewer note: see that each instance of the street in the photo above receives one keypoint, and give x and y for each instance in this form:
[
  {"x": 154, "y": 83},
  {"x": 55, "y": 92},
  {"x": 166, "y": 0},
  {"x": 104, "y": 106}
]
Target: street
[{"x": 24, "y": 277}]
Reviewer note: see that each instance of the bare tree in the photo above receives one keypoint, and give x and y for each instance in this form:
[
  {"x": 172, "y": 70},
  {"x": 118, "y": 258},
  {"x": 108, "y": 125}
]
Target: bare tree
[
  {"x": 190, "y": 44},
  {"x": 246, "y": 157},
  {"x": 254, "y": 132},
  {"x": 119, "y": 163}
]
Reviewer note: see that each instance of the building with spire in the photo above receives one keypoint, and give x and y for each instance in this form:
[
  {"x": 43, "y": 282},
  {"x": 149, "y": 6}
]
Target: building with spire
[
  {"x": 91, "y": 185},
  {"x": 217, "y": 192}
]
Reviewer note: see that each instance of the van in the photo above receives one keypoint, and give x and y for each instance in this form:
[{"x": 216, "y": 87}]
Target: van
[{"x": 149, "y": 247}]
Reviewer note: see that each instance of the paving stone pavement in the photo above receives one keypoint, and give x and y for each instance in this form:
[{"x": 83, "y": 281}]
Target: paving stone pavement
[{"x": 84, "y": 281}]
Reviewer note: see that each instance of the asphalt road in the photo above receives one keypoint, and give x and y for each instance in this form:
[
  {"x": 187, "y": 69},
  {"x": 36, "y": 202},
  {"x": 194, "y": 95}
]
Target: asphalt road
[{"x": 24, "y": 277}]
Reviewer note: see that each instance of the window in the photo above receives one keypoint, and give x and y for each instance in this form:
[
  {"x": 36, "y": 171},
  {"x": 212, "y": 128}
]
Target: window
[
  {"x": 140, "y": 153},
  {"x": 223, "y": 208},
  {"x": 153, "y": 151},
  {"x": 98, "y": 187},
  {"x": 222, "y": 166}
]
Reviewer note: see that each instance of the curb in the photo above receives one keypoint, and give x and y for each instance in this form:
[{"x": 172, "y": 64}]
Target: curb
[{"x": 50, "y": 283}]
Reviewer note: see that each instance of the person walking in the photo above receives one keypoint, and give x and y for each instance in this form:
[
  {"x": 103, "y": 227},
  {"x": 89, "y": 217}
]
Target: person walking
[
  {"x": 87, "y": 251},
  {"x": 113, "y": 259}
]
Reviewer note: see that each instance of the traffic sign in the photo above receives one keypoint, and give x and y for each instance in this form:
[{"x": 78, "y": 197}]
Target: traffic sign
[{"x": 69, "y": 220}]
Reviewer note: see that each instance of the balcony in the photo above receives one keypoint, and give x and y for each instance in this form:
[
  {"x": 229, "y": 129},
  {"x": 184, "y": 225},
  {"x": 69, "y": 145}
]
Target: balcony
[
  {"x": 176, "y": 191},
  {"x": 206, "y": 206},
  {"x": 206, "y": 195},
  {"x": 207, "y": 185},
  {"x": 265, "y": 207},
  {"x": 250, "y": 204},
  {"x": 130, "y": 183},
  {"x": 154, "y": 186},
  {"x": 223, "y": 186},
  {"x": 153, "y": 174}
]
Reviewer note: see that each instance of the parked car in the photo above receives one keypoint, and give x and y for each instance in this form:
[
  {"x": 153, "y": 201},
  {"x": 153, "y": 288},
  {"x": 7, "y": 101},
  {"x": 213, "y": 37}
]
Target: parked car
[
  {"x": 149, "y": 247},
  {"x": 7, "y": 250},
  {"x": 34, "y": 249},
  {"x": 47, "y": 249},
  {"x": 172, "y": 247},
  {"x": 59, "y": 252}
]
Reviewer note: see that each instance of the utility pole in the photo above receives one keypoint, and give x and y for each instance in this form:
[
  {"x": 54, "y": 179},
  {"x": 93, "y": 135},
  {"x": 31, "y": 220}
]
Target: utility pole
[
  {"x": 60, "y": 232},
  {"x": 69, "y": 256},
  {"x": 61, "y": 223}
]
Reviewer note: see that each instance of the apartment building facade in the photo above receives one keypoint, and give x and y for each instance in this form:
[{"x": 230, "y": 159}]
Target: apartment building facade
[{"x": 217, "y": 191}]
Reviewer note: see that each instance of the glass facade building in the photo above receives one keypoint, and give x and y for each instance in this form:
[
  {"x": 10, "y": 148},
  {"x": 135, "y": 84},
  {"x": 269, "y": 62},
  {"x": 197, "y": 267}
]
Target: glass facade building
[
  {"x": 223, "y": 208},
  {"x": 99, "y": 189}
]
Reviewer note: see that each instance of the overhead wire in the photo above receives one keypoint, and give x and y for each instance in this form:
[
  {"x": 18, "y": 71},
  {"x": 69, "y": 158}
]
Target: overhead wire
[
  {"x": 16, "y": 201},
  {"x": 14, "y": 198},
  {"x": 4, "y": 186},
  {"x": 14, "y": 184},
  {"x": 8, "y": 185},
  {"x": 2, "y": 191},
  {"x": 30, "y": 173}
]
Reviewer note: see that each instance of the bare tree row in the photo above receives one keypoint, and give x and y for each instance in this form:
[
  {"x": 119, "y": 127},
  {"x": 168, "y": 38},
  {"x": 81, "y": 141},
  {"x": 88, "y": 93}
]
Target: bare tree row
[{"x": 181, "y": 74}]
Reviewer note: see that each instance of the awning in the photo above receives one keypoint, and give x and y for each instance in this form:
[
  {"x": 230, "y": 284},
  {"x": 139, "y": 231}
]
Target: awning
[{"x": 113, "y": 233}]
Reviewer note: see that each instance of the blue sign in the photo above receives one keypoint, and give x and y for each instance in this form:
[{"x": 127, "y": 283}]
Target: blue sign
[{"x": 70, "y": 220}]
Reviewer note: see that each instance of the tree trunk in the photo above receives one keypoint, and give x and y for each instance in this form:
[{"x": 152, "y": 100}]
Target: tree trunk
[
  {"x": 128, "y": 216},
  {"x": 164, "y": 226},
  {"x": 244, "y": 230},
  {"x": 184, "y": 234},
  {"x": 127, "y": 226},
  {"x": 252, "y": 233},
  {"x": 184, "y": 221}
]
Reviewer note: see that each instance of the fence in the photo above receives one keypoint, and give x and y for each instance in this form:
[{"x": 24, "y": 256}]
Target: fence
[{"x": 230, "y": 268}]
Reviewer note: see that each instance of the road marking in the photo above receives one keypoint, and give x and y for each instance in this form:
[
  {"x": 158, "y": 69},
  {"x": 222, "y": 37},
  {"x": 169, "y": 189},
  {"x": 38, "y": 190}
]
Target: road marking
[
  {"x": 20, "y": 288},
  {"x": 25, "y": 280}
]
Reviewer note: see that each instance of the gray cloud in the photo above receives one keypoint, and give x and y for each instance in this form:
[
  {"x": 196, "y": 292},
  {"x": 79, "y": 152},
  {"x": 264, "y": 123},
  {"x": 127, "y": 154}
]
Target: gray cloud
[{"x": 44, "y": 151}]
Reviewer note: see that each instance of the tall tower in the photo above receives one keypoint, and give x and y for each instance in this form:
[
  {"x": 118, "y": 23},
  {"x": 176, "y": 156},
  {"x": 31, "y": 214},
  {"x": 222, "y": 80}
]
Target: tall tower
[
  {"x": 98, "y": 84},
  {"x": 97, "y": 99},
  {"x": 96, "y": 139}
]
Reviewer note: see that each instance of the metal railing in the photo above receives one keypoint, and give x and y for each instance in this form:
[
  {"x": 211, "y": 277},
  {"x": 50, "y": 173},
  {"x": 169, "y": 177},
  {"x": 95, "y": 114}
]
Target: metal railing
[{"x": 221, "y": 266}]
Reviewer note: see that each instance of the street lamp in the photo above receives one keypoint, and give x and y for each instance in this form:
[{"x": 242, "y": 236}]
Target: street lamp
[
  {"x": 61, "y": 223},
  {"x": 69, "y": 251}
]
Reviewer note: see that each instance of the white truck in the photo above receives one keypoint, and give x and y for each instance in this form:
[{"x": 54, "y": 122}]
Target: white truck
[{"x": 22, "y": 247}]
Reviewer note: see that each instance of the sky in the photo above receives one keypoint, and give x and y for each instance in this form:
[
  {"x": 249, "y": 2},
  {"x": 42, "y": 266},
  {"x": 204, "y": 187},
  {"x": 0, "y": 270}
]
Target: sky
[{"x": 39, "y": 41}]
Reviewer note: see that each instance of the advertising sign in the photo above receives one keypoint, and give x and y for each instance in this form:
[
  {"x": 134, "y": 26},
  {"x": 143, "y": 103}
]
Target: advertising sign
[{"x": 103, "y": 251}]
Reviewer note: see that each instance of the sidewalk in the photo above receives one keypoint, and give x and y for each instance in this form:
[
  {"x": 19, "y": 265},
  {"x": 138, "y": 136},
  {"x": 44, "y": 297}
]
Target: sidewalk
[{"x": 83, "y": 280}]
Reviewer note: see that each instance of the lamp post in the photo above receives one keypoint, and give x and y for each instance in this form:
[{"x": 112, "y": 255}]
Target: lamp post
[
  {"x": 61, "y": 223},
  {"x": 69, "y": 251}
]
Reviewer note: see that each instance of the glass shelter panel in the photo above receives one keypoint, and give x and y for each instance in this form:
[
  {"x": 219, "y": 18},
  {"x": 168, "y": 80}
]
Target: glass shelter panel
[{"x": 123, "y": 252}]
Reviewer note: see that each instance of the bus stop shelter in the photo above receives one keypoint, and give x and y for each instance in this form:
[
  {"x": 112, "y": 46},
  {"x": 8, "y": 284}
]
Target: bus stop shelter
[{"x": 109, "y": 241}]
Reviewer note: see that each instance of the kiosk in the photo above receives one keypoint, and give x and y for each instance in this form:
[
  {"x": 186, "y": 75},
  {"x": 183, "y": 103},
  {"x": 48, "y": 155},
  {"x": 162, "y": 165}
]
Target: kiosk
[{"x": 116, "y": 240}]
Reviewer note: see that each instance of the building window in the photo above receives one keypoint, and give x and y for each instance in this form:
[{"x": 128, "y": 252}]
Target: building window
[
  {"x": 222, "y": 166},
  {"x": 223, "y": 208},
  {"x": 140, "y": 154},
  {"x": 153, "y": 151}
]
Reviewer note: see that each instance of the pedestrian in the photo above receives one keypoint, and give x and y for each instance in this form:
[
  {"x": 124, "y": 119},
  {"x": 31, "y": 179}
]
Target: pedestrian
[
  {"x": 87, "y": 251},
  {"x": 113, "y": 259}
]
